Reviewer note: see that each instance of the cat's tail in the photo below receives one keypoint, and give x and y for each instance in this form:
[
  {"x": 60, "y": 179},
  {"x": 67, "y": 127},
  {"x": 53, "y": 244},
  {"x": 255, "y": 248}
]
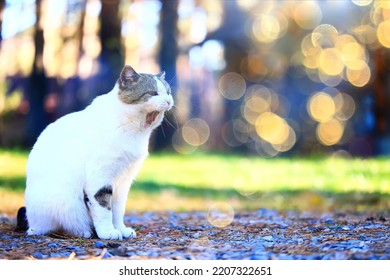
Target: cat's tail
[{"x": 21, "y": 220}]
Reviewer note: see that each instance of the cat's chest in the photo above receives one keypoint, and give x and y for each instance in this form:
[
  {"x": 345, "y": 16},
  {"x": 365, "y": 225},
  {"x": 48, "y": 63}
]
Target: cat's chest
[
  {"x": 134, "y": 150},
  {"x": 115, "y": 138},
  {"x": 133, "y": 144},
  {"x": 119, "y": 155}
]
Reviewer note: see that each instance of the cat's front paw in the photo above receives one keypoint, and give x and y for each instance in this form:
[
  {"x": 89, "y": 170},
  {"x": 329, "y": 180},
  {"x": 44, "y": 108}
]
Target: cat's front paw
[
  {"x": 110, "y": 234},
  {"x": 128, "y": 232}
]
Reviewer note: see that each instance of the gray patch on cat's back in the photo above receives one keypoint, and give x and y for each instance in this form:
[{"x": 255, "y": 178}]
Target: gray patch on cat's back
[
  {"x": 136, "y": 93},
  {"x": 104, "y": 196}
]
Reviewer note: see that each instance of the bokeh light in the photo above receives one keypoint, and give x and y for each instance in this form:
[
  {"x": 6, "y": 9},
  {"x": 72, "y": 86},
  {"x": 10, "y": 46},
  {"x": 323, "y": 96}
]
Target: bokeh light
[
  {"x": 321, "y": 107},
  {"x": 307, "y": 14},
  {"x": 241, "y": 130},
  {"x": 299, "y": 74},
  {"x": 359, "y": 74},
  {"x": 336, "y": 56},
  {"x": 253, "y": 107},
  {"x": 195, "y": 132},
  {"x": 180, "y": 145},
  {"x": 383, "y": 33},
  {"x": 275, "y": 130},
  {"x": 324, "y": 36},
  {"x": 288, "y": 142},
  {"x": 220, "y": 214},
  {"x": 362, "y": 2},
  {"x": 331, "y": 62},
  {"x": 330, "y": 132},
  {"x": 345, "y": 106},
  {"x": 365, "y": 33},
  {"x": 232, "y": 86},
  {"x": 266, "y": 28},
  {"x": 331, "y": 109},
  {"x": 351, "y": 52},
  {"x": 330, "y": 80},
  {"x": 229, "y": 135},
  {"x": 272, "y": 128},
  {"x": 258, "y": 100},
  {"x": 384, "y": 4}
]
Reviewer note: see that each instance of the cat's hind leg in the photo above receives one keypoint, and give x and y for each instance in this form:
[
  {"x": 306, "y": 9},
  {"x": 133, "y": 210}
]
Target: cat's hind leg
[
  {"x": 75, "y": 219},
  {"x": 70, "y": 216},
  {"x": 40, "y": 222}
]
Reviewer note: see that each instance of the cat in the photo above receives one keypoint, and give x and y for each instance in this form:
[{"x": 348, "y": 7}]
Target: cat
[{"x": 80, "y": 169}]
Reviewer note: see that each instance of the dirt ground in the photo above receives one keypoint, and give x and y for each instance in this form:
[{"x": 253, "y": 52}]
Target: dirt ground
[{"x": 261, "y": 234}]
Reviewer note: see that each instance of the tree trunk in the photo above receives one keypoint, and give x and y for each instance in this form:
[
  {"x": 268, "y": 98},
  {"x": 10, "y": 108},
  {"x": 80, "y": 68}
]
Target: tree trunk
[
  {"x": 71, "y": 99},
  {"x": 111, "y": 59},
  {"x": 380, "y": 95},
  {"x": 2, "y": 5},
  {"x": 167, "y": 59},
  {"x": 381, "y": 101},
  {"x": 37, "y": 117}
]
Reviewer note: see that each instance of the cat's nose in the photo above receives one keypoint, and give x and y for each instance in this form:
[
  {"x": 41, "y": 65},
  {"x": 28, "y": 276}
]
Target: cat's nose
[{"x": 169, "y": 102}]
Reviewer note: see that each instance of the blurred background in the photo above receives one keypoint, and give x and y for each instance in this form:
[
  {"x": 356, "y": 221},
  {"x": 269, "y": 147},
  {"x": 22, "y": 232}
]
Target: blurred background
[
  {"x": 271, "y": 79},
  {"x": 260, "y": 77}
]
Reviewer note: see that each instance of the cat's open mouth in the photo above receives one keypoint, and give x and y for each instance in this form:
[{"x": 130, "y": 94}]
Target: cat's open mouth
[{"x": 151, "y": 117}]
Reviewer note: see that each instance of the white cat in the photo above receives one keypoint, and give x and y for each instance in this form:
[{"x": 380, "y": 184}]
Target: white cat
[{"x": 80, "y": 170}]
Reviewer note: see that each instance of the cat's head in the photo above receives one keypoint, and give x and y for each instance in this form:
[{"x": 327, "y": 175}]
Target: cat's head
[{"x": 150, "y": 94}]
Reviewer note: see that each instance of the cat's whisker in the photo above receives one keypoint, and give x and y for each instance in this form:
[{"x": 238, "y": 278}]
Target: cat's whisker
[
  {"x": 190, "y": 115},
  {"x": 163, "y": 132},
  {"x": 175, "y": 115},
  {"x": 168, "y": 122}
]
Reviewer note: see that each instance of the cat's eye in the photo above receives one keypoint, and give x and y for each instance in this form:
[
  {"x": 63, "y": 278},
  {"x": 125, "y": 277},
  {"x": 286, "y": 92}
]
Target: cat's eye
[{"x": 153, "y": 93}]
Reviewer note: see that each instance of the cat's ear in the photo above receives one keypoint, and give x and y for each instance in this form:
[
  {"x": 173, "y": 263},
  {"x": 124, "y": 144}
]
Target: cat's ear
[
  {"x": 161, "y": 75},
  {"x": 128, "y": 77}
]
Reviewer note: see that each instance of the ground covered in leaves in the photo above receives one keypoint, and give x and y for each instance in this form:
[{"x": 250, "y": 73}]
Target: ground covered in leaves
[{"x": 257, "y": 235}]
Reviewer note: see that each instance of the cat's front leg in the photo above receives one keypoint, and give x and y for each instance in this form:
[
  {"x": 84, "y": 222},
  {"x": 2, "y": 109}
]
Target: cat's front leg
[
  {"x": 118, "y": 211},
  {"x": 127, "y": 232},
  {"x": 101, "y": 212},
  {"x": 122, "y": 187}
]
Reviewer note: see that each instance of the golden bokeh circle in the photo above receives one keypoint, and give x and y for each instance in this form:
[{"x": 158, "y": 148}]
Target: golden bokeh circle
[
  {"x": 383, "y": 33},
  {"x": 321, "y": 107},
  {"x": 330, "y": 133}
]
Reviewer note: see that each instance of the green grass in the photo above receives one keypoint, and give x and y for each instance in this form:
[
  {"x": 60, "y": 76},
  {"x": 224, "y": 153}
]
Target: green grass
[
  {"x": 12, "y": 169},
  {"x": 179, "y": 182},
  {"x": 251, "y": 174}
]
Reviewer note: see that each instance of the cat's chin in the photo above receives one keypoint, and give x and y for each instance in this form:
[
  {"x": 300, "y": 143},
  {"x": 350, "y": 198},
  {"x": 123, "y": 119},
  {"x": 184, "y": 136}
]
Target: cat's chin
[{"x": 151, "y": 117}]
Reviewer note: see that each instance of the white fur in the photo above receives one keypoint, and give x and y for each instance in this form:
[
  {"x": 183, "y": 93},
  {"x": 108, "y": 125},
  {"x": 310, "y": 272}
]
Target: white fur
[{"x": 105, "y": 144}]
